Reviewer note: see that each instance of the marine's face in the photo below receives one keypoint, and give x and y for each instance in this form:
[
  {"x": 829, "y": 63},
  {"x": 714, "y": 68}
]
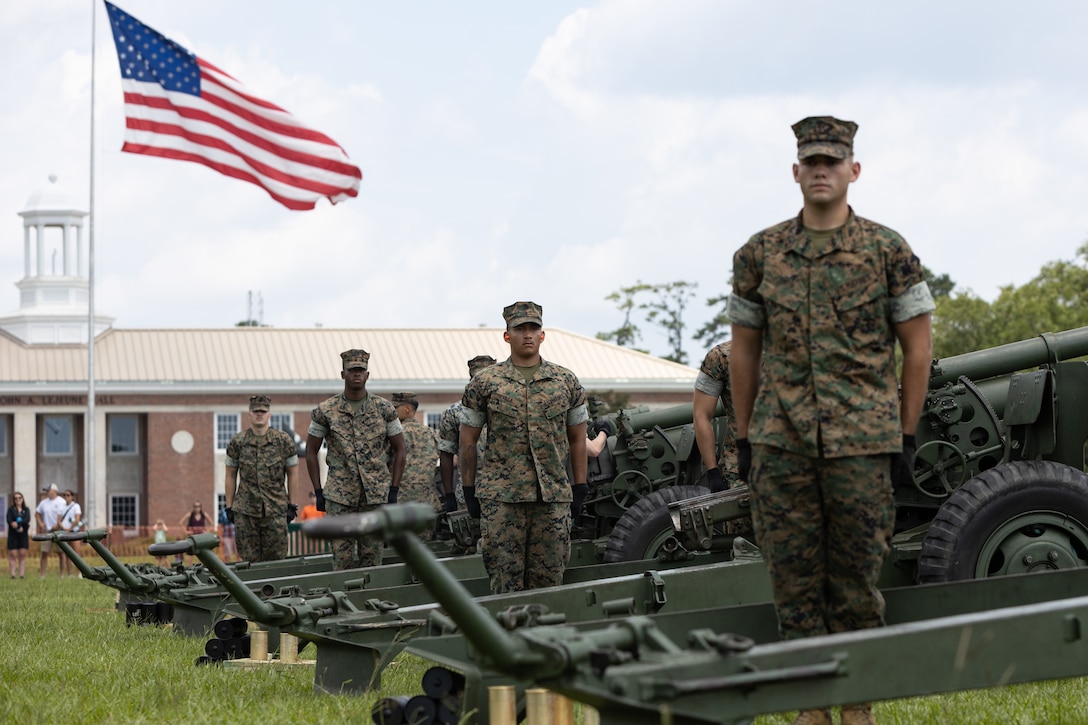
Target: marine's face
[
  {"x": 824, "y": 180},
  {"x": 524, "y": 340},
  {"x": 259, "y": 420},
  {"x": 355, "y": 376}
]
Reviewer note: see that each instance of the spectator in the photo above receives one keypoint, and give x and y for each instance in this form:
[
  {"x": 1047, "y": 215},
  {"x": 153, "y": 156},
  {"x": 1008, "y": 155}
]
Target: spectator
[
  {"x": 160, "y": 538},
  {"x": 226, "y": 536},
  {"x": 47, "y": 517},
  {"x": 70, "y": 520},
  {"x": 18, "y": 518}
]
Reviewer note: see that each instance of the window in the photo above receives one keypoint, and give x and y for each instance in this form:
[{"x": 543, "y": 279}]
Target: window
[
  {"x": 3, "y": 436},
  {"x": 282, "y": 421},
  {"x": 123, "y": 511},
  {"x": 225, "y": 428},
  {"x": 58, "y": 436},
  {"x": 123, "y": 435},
  {"x": 432, "y": 421}
]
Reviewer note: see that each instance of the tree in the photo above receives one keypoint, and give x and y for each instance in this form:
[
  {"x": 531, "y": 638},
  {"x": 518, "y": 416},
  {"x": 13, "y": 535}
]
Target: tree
[
  {"x": 938, "y": 286},
  {"x": 1055, "y": 299},
  {"x": 626, "y": 334},
  {"x": 667, "y": 311},
  {"x": 717, "y": 328}
]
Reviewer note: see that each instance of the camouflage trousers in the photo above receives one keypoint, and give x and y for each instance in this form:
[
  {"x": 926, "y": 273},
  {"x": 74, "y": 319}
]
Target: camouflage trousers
[
  {"x": 524, "y": 545},
  {"x": 353, "y": 553},
  {"x": 824, "y": 527},
  {"x": 260, "y": 538}
]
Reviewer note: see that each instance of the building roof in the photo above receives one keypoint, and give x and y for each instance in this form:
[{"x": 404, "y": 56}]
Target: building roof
[{"x": 308, "y": 360}]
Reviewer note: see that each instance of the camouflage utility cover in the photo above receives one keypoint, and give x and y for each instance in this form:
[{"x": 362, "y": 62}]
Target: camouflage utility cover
[
  {"x": 356, "y": 448},
  {"x": 262, "y": 463},
  {"x": 824, "y": 136},
  {"x": 526, "y": 430},
  {"x": 828, "y": 317}
]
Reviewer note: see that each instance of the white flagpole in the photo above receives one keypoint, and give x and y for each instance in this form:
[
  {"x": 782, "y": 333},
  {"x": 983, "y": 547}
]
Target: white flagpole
[{"x": 91, "y": 488}]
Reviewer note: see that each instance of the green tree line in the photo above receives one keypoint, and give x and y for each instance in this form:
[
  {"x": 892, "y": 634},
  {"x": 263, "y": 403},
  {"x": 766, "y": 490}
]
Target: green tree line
[{"x": 1055, "y": 299}]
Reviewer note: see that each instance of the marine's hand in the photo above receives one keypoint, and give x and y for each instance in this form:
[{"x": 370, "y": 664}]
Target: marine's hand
[
  {"x": 580, "y": 490},
  {"x": 903, "y": 463},
  {"x": 230, "y": 514},
  {"x": 319, "y": 499},
  {"x": 603, "y": 425},
  {"x": 744, "y": 459},
  {"x": 715, "y": 481},
  {"x": 392, "y": 498},
  {"x": 471, "y": 503},
  {"x": 450, "y": 502},
  {"x": 292, "y": 512}
]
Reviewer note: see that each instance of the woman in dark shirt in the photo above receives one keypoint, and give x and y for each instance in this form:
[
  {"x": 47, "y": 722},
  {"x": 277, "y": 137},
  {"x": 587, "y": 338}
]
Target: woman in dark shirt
[
  {"x": 195, "y": 522},
  {"x": 18, "y": 535}
]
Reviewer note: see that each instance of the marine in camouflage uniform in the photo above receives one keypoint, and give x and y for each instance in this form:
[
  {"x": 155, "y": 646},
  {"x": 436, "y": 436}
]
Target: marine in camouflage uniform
[
  {"x": 712, "y": 385},
  {"x": 259, "y": 462},
  {"x": 421, "y": 455},
  {"x": 822, "y": 299},
  {"x": 535, "y": 413},
  {"x": 356, "y": 427},
  {"x": 449, "y": 439}
]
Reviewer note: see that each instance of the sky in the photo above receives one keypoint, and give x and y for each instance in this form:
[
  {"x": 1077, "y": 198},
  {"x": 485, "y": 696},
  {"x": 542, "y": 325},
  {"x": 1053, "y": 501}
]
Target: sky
[{"x": 552, "y": 151}]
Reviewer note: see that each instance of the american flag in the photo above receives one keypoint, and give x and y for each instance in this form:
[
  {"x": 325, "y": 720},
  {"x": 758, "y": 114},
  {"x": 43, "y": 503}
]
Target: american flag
[{"x": 179, "y": 106}]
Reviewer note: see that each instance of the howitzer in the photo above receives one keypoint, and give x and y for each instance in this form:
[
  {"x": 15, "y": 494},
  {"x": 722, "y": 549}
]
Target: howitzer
[
  {"x": 999, "y": 484},
  {"x": 721, "y": 665},
  {"x": 360, "y": 618},
  {"x": 647, "y": 451}
]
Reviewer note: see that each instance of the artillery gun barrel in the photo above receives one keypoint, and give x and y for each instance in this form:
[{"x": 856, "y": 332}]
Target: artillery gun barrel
[
  {"x": 1008, "y": 359},
  {"x": 396, "y": 524},
  {"x": 267, "y": 613},
  {"x": 671, "y": 417}
]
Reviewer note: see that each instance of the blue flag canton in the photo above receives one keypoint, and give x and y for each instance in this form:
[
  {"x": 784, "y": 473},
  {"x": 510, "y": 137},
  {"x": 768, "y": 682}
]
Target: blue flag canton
[{"x": 146, "y": 55}]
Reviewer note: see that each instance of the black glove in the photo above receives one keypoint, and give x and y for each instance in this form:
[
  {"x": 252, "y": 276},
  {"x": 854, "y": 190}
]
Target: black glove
[
  {"x": 230, "y": 514},
  {"x": 580, "y": 490},
  {"x": 450, "y": 500},
  {"x": 714, "y": 480},
  {"x": 392, "y": 498},
  {"x": 603, "y": 425},
  {"x": 471, "y": 503},
  {"x": 903, "y": 463},
  {"x": 319, "y": 499},
  {"x": 292, "y": 512},
  {"x": 744, "y": 459}
]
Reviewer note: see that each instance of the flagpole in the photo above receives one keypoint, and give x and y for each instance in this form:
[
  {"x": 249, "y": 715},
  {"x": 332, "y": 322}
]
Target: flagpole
[{"x": 91, "y": 488}]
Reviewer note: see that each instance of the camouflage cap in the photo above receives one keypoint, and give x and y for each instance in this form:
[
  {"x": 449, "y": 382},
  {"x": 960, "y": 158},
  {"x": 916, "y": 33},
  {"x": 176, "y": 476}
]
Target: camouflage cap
[
  {"x": 478, "y": 363},
  {"x": 400, "y": 399},
  {"x": 355, "y": 359},
  {"x": 259, "y": 402},
  {"x": 520, "y": 313},
  {"x": 824, "y": 136}
]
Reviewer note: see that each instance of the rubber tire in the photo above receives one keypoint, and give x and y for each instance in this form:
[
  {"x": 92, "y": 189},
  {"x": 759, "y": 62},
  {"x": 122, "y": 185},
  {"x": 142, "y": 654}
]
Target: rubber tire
[
  {"x": 981, "y": 506},
  {"x": 644, "y": 523}
]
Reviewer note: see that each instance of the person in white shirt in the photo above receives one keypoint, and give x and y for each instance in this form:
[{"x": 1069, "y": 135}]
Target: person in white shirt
[{"x": 48, "y": 516}]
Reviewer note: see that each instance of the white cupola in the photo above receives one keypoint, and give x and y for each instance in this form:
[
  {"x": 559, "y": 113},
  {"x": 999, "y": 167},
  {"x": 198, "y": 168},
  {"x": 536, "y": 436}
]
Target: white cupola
[{"x": 53, "y": 294}]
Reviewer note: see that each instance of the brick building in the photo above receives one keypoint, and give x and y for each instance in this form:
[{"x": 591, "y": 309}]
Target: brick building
[{"x": 168, "y": 401}]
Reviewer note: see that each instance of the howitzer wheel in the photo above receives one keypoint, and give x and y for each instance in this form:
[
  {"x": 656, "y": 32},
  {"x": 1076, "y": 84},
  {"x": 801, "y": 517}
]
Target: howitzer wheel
[
  {"x": 1015, "y": 518},
  {"x": 645, "y": 527}
]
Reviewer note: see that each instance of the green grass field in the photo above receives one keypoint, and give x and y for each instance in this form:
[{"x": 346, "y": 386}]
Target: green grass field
[{"x": 66, "y": 656}]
